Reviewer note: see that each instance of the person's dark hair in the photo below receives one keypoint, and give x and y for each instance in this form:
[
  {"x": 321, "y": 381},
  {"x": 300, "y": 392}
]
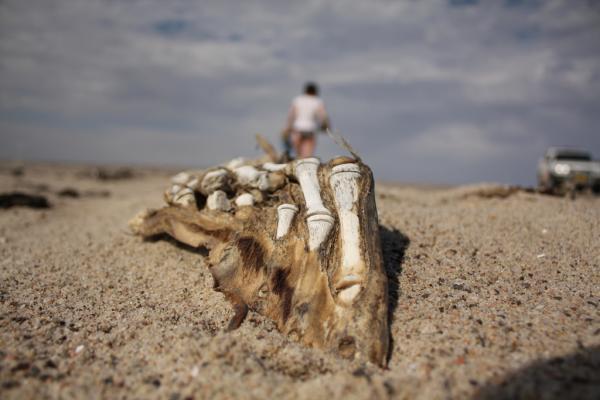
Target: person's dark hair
[{"x": 311, "y": 88}]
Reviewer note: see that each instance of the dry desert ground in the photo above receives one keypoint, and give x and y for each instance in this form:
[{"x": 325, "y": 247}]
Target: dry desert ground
[{"x": 494, "y": 293}]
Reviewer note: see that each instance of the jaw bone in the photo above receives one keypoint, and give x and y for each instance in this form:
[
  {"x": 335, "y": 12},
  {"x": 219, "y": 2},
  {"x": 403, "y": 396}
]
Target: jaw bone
[
  {"x": 329, "y": 298},
  {"x": 343, "y": 181},
  {"x": 319, "y": 219}
]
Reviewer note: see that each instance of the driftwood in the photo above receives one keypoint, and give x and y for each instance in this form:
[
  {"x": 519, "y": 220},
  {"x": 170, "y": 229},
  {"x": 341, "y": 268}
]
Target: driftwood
[{"x": 296, "y": 242}]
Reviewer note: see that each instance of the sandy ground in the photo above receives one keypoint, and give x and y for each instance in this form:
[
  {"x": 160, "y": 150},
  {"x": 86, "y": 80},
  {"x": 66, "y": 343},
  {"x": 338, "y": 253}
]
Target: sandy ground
[{"x": 493, "y": 295}]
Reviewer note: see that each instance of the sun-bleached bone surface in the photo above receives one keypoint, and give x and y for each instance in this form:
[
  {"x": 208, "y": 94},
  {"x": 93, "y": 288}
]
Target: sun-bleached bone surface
[
  {"x": 244, "y": 199},
  {"x": 217, "y": 179},
  {"x": 285, "y": 215},
  {"x": 320, "y": 278},
  {"x": 218, "y": 200},
  {"x": 306, "y": 172},
  {"x": 344, "y": 181}
]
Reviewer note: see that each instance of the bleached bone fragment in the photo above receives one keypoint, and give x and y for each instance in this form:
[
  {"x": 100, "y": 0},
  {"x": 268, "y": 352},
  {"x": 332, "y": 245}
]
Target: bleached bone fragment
[
  {"x": 193, "y": 183},
  {"x": 236, "y": 163},
  {"x": 175, "y": 189},
  {"x": 248, "y": 176},
  {"x": 214, "y": 180},
  {"x": 272, "y": 167},
  {"x": 285, "y": 216},
  {"x": 344, "y": 181},
  {"x": 185, "y": 197},
  {"x": 244, "y": 199},
  {"x": 319, "y": 226},
  {"x": 319, "y": 219},
  {"x": 181, "y": 178},
  {"x": 306, "y": 172},
  {"x": 218, "y": 201},
  {"x": 171, "y": 192}
]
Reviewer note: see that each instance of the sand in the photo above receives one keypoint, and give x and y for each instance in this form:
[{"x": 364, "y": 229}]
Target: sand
[{"x": 494, "y": 293}]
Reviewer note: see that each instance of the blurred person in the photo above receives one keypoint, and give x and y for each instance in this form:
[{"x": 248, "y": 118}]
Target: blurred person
[{"x": 306, "y": 117}]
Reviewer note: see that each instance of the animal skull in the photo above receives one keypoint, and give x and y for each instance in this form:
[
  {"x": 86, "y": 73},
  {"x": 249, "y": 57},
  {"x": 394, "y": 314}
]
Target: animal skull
[{"x": 297, "y": 242}]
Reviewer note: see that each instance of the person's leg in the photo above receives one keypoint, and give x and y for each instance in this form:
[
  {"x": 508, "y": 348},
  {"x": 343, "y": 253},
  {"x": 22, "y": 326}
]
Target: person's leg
[
  {"x": 296, "y": 139},
  {"x": 307, "y": 146}
]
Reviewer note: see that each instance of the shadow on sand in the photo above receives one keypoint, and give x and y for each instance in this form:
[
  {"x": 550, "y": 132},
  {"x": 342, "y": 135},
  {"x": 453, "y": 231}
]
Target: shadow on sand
[
  {"x": 574, "y": 376},
  {"x": 393, "y": 245}
]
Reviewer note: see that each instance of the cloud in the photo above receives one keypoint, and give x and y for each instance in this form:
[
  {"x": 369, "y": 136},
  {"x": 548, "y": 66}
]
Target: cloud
[{"x": 424, "y": 90}]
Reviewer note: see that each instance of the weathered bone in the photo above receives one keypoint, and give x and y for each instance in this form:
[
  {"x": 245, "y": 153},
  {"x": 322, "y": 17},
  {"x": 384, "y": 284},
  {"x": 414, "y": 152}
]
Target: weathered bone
[
  {"x": 185, "y": 197},
  {"x": 218, "y": 200},
  {"x": 214, "y": 180},
  {"x": 285, "y": 216},
  {"x": 248, "y": 176},
  {"x": 319, "y": 226},
  {"x": 322, "y": 285},
  {"x": 319, "y": 218},
  {"x": 275, "y": 167},
  {"x": 344, "y": 181},
  {"x": 181, "y": 178},
  {"x": 306, "y": 172},
  {"x": 236, "y": 163},
  {"x": 244, "y": 199}
]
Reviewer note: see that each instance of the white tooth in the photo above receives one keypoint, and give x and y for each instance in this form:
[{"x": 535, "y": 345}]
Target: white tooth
[
  {"x": 181, "y": 178},
  {"x": 306, "y": 172},
  {"x": 285, "y": 215},
  {"x": 185, "y": 197},
  {"x": 214, "y": 180},
  {"x": 344, "y": 180},
  {"x": 319, "y": 226},
  {"x": 244, "y": 199},
  {"x": 217, "y": 200},
  {"x": 272, "y": 167}
]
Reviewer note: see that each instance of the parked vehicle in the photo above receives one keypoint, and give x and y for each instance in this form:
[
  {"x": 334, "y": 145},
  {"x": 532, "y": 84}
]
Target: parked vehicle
[{"x": 566, "y": 170}]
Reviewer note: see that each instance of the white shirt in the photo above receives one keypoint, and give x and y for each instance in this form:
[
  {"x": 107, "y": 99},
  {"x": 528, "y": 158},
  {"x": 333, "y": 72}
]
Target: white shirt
[{"x": 306, "y": 111}]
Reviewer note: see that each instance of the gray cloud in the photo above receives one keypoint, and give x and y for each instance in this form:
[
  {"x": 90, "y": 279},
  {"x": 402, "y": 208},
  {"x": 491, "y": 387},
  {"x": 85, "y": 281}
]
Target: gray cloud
[{"x": 426, "y": 91}]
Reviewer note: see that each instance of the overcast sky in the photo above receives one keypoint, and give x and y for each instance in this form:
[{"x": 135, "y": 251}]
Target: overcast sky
[{"x": 426, "y": 91}]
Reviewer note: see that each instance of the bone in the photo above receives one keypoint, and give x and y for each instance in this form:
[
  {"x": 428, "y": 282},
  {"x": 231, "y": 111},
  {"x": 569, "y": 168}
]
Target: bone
[
  {"x": 236, "y": 163},
  {"x": 344, "y": 181},
  {"x": 171, "y": 192},
  {"x": 185, "y": 197},
  {"x": 193, "y": 183},
  {"x": 285, "y": 216},
  {"x": 214, "y": 180},
  {"x": 244, "y": 199},
  {"x": 218, "y": 200},
  {"x": 181, "y": 178},
  {"x": 306, "y": 173},
  {"x": 325, "y": 299},
  {"x": 272, "y": 167},
  {"x": 319, "y": 219},
  {"x": 175, "y": 189},
  {"x": 319, "y": 226},
  {"x": 250, "y": 177}
]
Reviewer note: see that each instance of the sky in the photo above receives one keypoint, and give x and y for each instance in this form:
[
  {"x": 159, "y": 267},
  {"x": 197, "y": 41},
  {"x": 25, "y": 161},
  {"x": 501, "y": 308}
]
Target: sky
[{"x": 440, "y": 91}]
